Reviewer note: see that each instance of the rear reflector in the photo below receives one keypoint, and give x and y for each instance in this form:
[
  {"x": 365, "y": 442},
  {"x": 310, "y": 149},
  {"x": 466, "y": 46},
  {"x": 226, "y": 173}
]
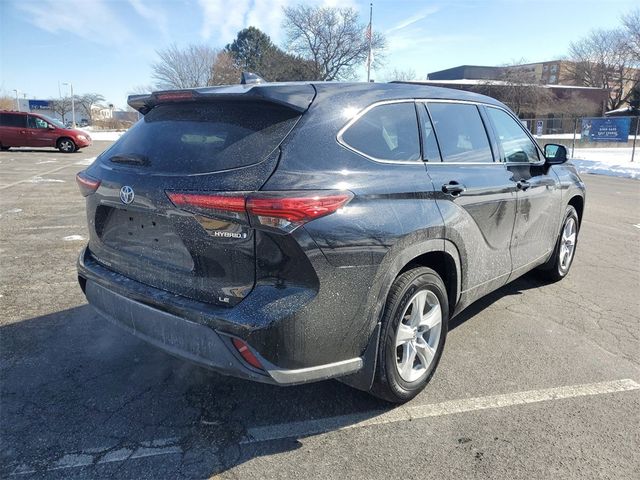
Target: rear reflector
[
  {"x": 282, "y": 211},
  {"x": 246, "y": 353},
  {"x": 87, "y": 184}
]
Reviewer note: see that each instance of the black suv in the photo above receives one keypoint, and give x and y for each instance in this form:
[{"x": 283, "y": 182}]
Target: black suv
[{"x": 288, "y": 233}]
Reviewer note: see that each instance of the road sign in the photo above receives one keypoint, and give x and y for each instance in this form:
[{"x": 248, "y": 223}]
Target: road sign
[{"x": 606, "y": 129}]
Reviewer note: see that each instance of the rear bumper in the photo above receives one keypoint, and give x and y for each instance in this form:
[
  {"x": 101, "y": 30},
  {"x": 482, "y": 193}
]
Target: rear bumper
[{"x": 196, "y": 332}]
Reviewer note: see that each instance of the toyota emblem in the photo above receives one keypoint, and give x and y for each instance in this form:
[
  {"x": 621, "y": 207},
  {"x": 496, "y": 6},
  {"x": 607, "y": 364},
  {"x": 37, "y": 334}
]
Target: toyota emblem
[{"x": 127, "y": 195}]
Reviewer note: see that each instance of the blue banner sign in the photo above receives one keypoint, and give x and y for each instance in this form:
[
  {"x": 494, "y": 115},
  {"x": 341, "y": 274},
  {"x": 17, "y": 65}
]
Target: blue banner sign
[
  {"x": 606, "y": 129},
  {"x": 38, "y": 104}
]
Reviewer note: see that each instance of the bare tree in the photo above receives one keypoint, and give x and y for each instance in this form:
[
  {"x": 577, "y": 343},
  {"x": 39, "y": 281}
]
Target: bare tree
[
  {"x": 184, "y": 68},
  {"x": 225, "y": 71},
  {"x": 631, "y": 23},
  {"x": 603, "y": 59},
  {"x": 517, "y": 87},
  {"x": 61, "y": 107},
  {"x": 332, "y": 38},
  {"x": 85, "y": 102},
  {"x": 7, "y": 102},
  {"x": 398, "y": 75}
]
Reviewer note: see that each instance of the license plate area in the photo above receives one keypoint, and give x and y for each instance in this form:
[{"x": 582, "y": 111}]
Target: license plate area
[{"x": 142, "y": 237}]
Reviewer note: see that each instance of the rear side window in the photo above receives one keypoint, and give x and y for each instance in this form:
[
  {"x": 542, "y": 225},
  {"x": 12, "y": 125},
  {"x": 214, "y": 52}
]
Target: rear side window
[
  {"x": 11, "y": 120},
  {"x": 516, "y": 145},
  {"x": 203, "y": 137},
  {"x": 461, "y": 133},
  {"x": 386, "y": 132}
]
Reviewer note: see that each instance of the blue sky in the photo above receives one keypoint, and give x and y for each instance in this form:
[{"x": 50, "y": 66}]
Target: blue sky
[{"x": 107, "y": 46}]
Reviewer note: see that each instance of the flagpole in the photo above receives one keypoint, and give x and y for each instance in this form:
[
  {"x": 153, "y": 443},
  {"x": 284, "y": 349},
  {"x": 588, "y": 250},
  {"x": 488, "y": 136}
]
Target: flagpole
[{"x": 370, "y": 36}]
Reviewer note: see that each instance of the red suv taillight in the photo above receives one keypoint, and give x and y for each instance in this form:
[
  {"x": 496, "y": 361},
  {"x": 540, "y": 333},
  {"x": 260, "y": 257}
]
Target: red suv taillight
[
  {"x": 87, "y": 184},
  {"x": 283, "y": 211}
]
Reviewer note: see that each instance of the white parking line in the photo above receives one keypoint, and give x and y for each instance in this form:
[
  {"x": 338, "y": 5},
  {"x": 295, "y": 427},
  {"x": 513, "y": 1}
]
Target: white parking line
[
  {"x": 101, "y": 456},
  {"x": 33, "y": 177},
  {"x": 169, "y": 446},
  {"x": 347, "y": 422}
]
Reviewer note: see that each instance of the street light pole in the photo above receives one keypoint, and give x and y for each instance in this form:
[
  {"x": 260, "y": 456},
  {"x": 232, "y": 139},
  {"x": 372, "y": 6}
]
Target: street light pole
[{"x": 73, "y": 106}]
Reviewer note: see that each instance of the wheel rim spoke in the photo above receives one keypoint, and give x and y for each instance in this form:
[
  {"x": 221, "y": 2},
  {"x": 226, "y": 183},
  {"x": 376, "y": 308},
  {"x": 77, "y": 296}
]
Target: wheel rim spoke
[
  {"x": 425, "y": 353},
  {"x": 405, "y": 334},
  {"x": 417, "y": 308}
]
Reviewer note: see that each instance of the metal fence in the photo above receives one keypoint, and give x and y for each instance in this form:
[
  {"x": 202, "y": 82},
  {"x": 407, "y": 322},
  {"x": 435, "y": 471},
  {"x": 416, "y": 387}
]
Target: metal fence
[{"x": 582, "y": 135}]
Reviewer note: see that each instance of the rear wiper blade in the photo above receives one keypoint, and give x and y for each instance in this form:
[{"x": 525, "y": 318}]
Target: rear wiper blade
[{"x": 131, "y": 159}]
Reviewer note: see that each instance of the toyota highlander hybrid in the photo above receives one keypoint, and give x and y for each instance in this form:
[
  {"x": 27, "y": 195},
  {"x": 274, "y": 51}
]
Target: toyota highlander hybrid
[{"x": 288, "y": 233}]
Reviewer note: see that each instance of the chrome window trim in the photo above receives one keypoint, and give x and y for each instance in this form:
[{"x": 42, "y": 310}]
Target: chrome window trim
[
  {"x": 361, "y": 113},
  {"x": 500, "y": 161}
]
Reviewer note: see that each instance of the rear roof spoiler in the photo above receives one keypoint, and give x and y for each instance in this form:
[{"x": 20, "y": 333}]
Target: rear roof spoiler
[{"x": 297, "y": 96}]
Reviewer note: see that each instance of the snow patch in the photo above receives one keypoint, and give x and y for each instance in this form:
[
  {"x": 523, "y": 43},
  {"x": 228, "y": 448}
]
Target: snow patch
[
  {"x": 44, "y": 180},
  {"x": 86, "y": 161},
  {"x": 42, "y": 162},
  {"x": 101, "y": 136},
  {"x": 73, "y": 238},
  {"x": 13, "y": 210},
  {"x": 614, "y": 162}
]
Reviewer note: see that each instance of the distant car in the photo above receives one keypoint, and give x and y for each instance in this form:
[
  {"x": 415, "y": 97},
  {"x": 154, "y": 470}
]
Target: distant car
[
  {"x": 83, "y": 123},
  {"x": 288, "y": 233},
  {"x": 21, "y": 129}
]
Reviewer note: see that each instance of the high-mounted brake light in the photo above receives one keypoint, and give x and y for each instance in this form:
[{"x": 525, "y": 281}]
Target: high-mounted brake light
[
  {"x": 87, "y": 184},
  {"x": 282, "y": 211},
  {"x": 174, "y": 96},
  {"x": 246, "y": 353}
]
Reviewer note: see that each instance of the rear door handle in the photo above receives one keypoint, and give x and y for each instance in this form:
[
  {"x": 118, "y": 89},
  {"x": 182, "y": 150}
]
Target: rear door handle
[
  {"x": 453, "y": 188},
  {"x": 523, "y": 185}
]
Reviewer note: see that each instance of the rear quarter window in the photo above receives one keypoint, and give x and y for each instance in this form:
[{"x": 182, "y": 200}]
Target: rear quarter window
[
  {"x": 12, "y": 120},
  {"x": 204, "y": 137},
  {"x": 386, "y": 132}
]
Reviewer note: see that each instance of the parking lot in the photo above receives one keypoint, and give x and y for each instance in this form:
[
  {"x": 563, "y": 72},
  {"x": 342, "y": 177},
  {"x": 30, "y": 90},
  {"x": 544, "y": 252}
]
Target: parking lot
[{"x": 536, "y": 381}]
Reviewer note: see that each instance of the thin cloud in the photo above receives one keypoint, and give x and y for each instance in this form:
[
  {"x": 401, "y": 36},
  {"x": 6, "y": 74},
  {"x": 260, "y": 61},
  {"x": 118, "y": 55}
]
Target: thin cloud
[
  {"x": 413, "y": 19},
  {"x": 154, "y": 14},
  {"x": 92, "y": 21}
]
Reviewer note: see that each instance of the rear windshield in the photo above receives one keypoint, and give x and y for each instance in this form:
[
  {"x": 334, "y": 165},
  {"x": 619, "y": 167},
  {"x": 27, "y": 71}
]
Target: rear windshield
[{"x": 204, "y": 137}]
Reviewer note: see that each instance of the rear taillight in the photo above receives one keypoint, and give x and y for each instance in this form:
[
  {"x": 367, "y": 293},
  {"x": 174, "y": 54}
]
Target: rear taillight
[
  {"x": 282, "y": 211},
  {"x": 87, "y": 184},
  {"x": 246, "y": 353},
  {"x": 274, "y": 210}
]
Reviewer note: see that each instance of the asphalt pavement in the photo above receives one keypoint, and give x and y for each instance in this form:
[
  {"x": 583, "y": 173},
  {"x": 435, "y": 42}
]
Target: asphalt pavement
[{"x": 536, "y": 381}]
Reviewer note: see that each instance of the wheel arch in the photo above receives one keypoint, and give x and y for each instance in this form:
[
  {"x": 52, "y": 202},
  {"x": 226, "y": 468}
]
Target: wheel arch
[
  {"x": 438, "y": 254},
  {"x": 577, "y": 202}
]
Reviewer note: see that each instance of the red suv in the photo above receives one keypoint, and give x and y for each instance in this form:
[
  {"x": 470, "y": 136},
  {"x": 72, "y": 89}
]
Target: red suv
[{"x": 20, "y": 129}]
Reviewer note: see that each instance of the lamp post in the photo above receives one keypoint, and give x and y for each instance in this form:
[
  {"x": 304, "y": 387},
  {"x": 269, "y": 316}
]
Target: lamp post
[
  {"x": 17, "y": 100},
  {"x": 73, "y": 106}
]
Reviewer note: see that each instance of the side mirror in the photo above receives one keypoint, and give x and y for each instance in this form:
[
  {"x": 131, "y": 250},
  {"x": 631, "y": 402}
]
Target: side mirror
[
  {"x": 555, "y": 154},
  {"x": 51, "y": 127}
]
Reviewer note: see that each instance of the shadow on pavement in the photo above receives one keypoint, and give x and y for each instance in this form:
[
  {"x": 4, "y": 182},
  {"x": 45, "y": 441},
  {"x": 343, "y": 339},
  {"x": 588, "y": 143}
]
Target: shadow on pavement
[{"x": 76, "y": 389}]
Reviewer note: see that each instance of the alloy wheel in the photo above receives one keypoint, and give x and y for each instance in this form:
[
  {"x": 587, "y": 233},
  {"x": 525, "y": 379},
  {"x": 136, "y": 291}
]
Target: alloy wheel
[{"x": 418, "y": 335}]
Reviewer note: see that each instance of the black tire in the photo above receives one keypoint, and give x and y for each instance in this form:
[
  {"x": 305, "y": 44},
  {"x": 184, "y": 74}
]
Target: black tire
[
  {"x": 557, "y": 267},
  {"x": 389, "y": 383},
  {"x": 66, "y": 145}
]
